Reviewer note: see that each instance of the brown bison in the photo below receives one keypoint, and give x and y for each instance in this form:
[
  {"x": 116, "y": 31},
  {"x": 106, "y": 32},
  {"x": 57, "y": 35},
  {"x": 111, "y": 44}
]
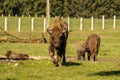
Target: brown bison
[
  {"x": 58, "y": 39},
  {"x": 17, "y": 56},
  {"x": 81, "y": 49},
  {"x": 91, "y": 46}
]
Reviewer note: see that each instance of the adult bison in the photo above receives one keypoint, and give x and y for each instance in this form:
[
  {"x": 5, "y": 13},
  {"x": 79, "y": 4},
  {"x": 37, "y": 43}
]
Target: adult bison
[
  {"x": 91, "y": 46},
  {"x": 58, "y": 39}
]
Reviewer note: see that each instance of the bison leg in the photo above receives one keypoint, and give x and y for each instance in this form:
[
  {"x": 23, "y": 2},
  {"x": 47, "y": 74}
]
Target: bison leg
[
  {"x": 83, "y": 57},
  {"x": 52, "y": 53},
  {"x": 59, "y": 59},
  {"x": 94, "y": 54},
  {"x": 95, "y": 57},
  {"x": 63, "y": 48},
  {"x": 64, "y": 59},
  {"x": 89, "y": 55},
  {"x": 63, "y": 52},
  {"x": 79, "y": 56}
]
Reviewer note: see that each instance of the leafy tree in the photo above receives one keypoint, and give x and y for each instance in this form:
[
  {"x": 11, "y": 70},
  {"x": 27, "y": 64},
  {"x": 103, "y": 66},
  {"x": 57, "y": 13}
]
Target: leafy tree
[
  {"x": 72, "y": 8},
  {"x": 56, "y": 7}
]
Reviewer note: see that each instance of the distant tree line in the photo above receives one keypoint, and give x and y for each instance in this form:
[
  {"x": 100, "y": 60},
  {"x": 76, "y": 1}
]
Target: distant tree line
[{"x": 65, "y": 8}]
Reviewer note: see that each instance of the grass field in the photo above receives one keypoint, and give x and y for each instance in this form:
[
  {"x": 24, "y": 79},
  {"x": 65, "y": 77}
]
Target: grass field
[{"x": 106, "y": 68}]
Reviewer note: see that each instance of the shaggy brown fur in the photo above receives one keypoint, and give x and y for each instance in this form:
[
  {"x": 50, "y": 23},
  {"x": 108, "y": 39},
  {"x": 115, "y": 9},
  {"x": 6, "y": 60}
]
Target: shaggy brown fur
[
  {"x": 81, "y": 49},
  {"x": 58, "y": 39},
  {"x": 91, "y": 46},
  {"x": 18, "y": 56}
]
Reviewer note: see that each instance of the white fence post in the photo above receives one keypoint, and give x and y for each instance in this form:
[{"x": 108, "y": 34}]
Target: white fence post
[
  {"x": 36, "y": 16},
  {"x": 2, "y": 15},
  {"x": 15, "y": 15},
  {"x": 44, "y": 26},
  {"x": 91, "y": 23},
  {"x": 42, "y": 16},
  {"x": 114, "y": 22},
  {"x": 19, "y": 24},
  {"x": 68, "y": 23},
  {"x": 5, "y": 24},
  {"x": 103, "y": 22},
  {"x": 81, "y": 24},
  {"x": 29, "y": 15},
  {"x": 32, "y": 24},
  {"x": 8, "y": 15}
]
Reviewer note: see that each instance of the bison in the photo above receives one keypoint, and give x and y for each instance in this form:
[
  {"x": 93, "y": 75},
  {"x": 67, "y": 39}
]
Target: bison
[
  {"x": 91, "y": 46},
  {"x": 16, "y": 56},
  {"x": 81, "y": 49},
  {"x": 58, "y": 39}
]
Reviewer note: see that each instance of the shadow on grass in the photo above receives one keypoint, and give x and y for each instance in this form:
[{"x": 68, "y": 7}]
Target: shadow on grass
[
  {"x": 107, "y": 73},
  {"x": 11, "y": 79},
  {"x": 72, "y": 64}
]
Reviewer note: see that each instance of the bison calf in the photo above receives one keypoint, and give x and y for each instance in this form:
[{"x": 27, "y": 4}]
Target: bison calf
[
  {"x": 91, "y": 46},
  {"x": 17, "y": 56},
  {"x": 81, "y": 49}
]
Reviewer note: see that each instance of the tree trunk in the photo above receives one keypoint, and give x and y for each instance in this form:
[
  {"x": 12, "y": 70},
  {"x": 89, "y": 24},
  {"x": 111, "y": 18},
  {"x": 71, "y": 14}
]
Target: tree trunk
[{"x": 47, "y": 13}]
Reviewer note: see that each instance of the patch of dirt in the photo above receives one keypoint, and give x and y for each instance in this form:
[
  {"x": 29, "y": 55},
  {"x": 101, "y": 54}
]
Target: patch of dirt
[
  {"x": 109, "y": 59},
  {"x": 39, "y": 57},
  {"x": 3, "y": 59}
]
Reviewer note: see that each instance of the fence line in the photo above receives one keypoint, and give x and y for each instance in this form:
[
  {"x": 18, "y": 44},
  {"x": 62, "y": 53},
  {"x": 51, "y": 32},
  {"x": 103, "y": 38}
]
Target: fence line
[
  {"x": 32, "y": 24},
  {"x": 44, "y": 24},
  {"x": 19, "y": 24},
  {"x": 81, "y": 24},
  {"x": 68, "y": 23},
  {"x": 5, "y": 24},
  {"x": 103, "y": 22},
  {"x": 114, "y": 22},
  {"x": 91, "y": 23}
]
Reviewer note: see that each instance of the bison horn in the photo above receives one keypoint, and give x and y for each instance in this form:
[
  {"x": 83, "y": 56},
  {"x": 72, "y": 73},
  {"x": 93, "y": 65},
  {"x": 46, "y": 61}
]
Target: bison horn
[
  {"x": 49, "y": 31},
  {"x": 63, "y": 31}
]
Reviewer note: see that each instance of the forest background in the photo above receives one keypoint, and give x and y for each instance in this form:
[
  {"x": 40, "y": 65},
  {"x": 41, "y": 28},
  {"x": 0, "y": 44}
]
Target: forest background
[{"x": 65, "y": 8}]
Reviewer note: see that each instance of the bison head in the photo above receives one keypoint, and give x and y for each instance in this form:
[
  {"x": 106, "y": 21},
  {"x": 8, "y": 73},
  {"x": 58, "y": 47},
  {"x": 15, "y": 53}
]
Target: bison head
[
  {"x": 8, "y": 53},
  {"x": 56, "y": 37},
  {"x": 82, "y": 48}
]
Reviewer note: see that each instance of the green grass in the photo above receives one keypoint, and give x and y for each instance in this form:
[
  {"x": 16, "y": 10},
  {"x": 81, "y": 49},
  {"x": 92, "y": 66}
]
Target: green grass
[{"x": 106, "y": 68}]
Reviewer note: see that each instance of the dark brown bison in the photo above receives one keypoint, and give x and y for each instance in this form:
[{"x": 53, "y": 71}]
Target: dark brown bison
[
  {"x": 91, "y": 46},
  {"x": 17, "y": 56},
  {"x": 58, "y": 39}
]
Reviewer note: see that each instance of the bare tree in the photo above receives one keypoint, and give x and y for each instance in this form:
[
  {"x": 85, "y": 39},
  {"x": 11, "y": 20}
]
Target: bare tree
[{"x": 47, "y": 13}]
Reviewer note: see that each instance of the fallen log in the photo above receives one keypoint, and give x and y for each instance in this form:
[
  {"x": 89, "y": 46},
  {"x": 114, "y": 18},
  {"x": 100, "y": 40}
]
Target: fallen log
[{"x": 7, "y": 37}]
